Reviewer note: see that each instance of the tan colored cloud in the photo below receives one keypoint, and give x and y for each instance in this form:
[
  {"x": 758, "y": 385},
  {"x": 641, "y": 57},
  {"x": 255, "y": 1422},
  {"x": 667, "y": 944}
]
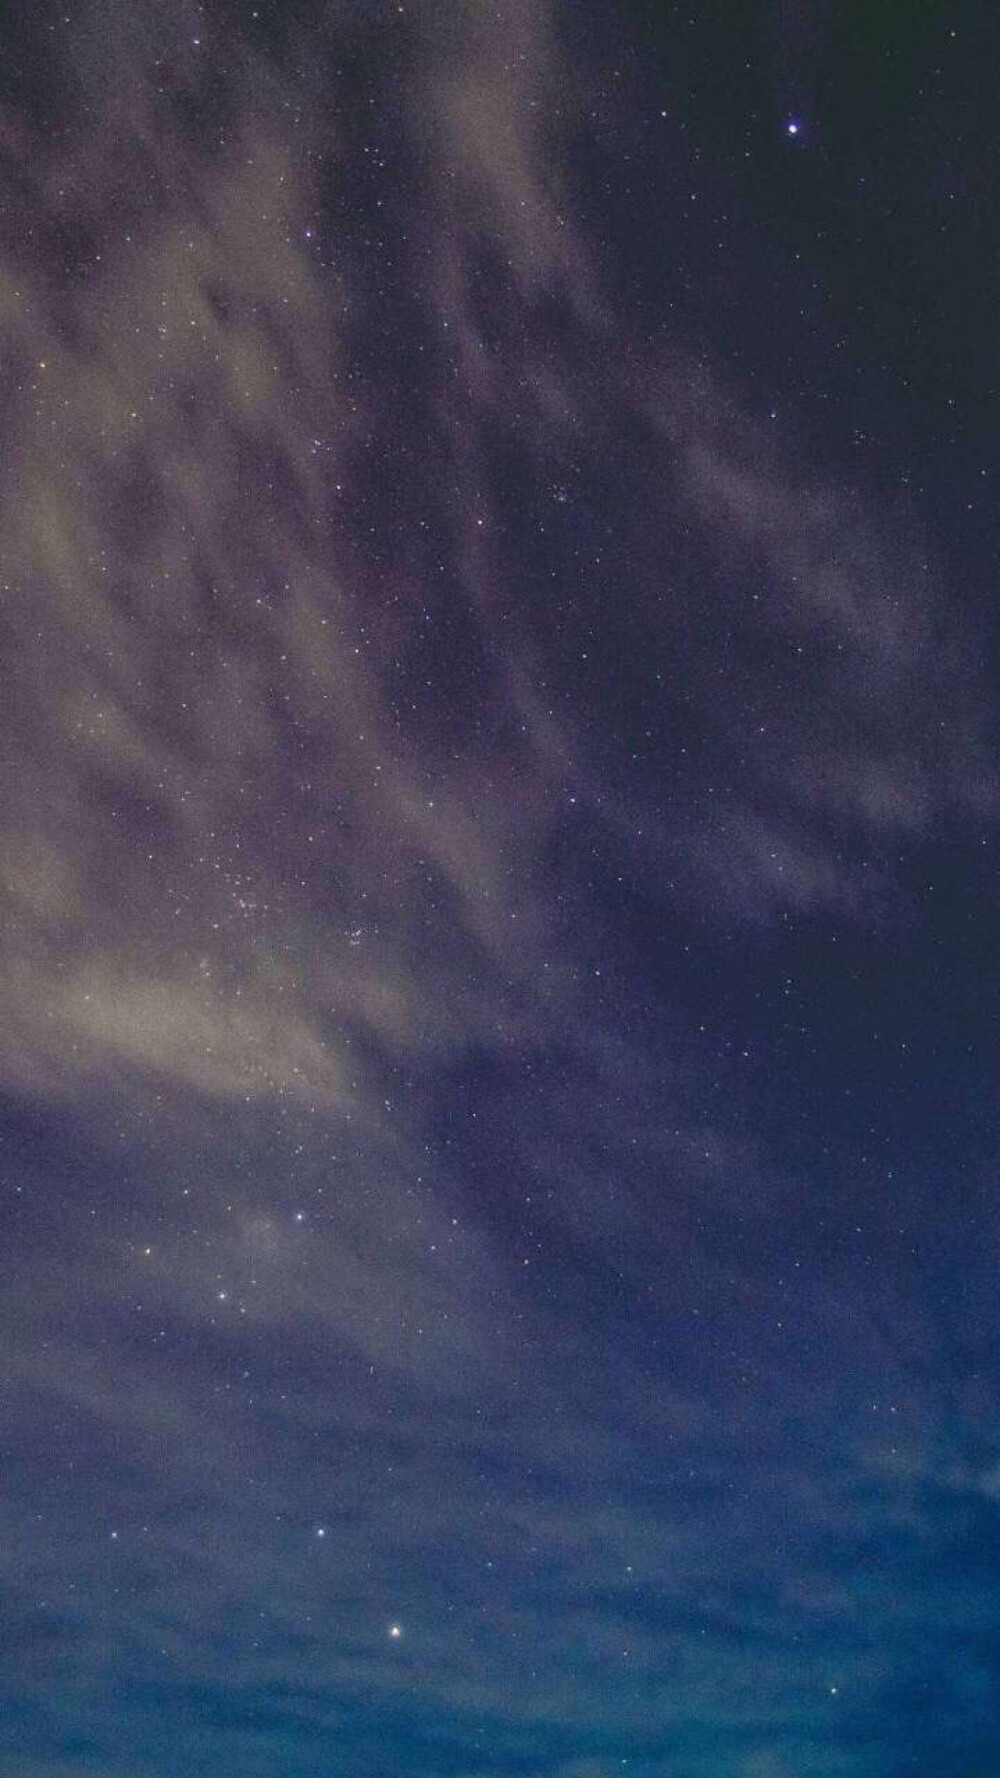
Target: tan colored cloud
[
  {"x": 207, "y": 765},
  {"x": 185, "y": 619}
]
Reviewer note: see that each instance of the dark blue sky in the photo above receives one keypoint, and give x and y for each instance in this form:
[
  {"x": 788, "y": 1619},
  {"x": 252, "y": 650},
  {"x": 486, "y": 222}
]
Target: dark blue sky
[{"x": 499, "y": 821}]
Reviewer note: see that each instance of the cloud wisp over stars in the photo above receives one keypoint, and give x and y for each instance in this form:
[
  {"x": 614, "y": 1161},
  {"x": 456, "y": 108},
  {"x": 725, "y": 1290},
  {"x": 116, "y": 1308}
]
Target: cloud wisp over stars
[{"x": 495, "y": 822}]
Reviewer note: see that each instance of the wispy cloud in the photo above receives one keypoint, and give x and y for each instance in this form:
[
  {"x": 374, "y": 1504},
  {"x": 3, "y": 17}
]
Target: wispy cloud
[{"x": 383, "y": 1266}]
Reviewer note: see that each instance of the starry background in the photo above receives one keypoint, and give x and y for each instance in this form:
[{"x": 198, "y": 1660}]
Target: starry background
[{"x": 499, "y": 819}]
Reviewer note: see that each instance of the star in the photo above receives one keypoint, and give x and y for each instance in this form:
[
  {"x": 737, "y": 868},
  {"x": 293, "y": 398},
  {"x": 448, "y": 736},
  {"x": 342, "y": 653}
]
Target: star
[
  {"x": 791, "y": 127},
  {"x": 395, "y": 1632}
]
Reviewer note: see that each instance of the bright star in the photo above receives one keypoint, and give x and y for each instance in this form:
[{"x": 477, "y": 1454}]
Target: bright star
[
  {"x": 792, "y": 128},
  {"x": 395, "y": 1631}
]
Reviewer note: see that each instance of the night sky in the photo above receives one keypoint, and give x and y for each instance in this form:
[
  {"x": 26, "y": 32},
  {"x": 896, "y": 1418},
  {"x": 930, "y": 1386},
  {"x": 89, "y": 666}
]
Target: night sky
[{"x": 500, "y": 817}]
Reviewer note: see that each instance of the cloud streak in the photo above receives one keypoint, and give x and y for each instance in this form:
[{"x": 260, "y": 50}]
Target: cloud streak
[{"x": 389, "y": 614}]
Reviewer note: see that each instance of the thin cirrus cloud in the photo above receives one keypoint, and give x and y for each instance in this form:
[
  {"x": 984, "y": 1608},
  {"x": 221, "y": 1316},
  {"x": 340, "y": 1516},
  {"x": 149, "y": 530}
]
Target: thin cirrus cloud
[
  {"x": 178, "y": 655},
  {"x": 188, "y": 625},
  {"x": 288, "y": 897}
]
